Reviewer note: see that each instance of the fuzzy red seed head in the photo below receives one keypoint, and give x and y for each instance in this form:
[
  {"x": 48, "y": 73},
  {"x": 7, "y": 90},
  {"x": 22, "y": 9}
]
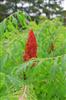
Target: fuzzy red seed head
[{"x": 31, "y": 47}]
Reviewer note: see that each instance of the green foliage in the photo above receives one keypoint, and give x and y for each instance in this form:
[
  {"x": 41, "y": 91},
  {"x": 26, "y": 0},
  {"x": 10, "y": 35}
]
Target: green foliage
[
  {"x": 18, "y": 79},
  {"x": 15, "y": 21}
]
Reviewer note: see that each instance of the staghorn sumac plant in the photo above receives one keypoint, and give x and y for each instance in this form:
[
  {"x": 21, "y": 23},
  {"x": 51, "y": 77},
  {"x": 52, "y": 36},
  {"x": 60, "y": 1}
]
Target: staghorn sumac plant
[{"x": 31, "y": 47}]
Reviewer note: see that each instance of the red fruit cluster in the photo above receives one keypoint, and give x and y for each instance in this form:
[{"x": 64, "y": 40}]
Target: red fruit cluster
[{"x": 31, "y": 47}]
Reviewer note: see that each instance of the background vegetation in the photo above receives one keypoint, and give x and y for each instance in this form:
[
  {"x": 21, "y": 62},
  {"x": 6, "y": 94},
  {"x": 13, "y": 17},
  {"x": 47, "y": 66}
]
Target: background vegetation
[{"x": 34, "y": 8}]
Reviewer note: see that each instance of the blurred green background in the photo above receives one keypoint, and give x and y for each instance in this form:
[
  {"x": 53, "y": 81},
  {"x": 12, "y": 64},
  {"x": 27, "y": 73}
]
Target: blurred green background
[{"x": 34, "y": 8}]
